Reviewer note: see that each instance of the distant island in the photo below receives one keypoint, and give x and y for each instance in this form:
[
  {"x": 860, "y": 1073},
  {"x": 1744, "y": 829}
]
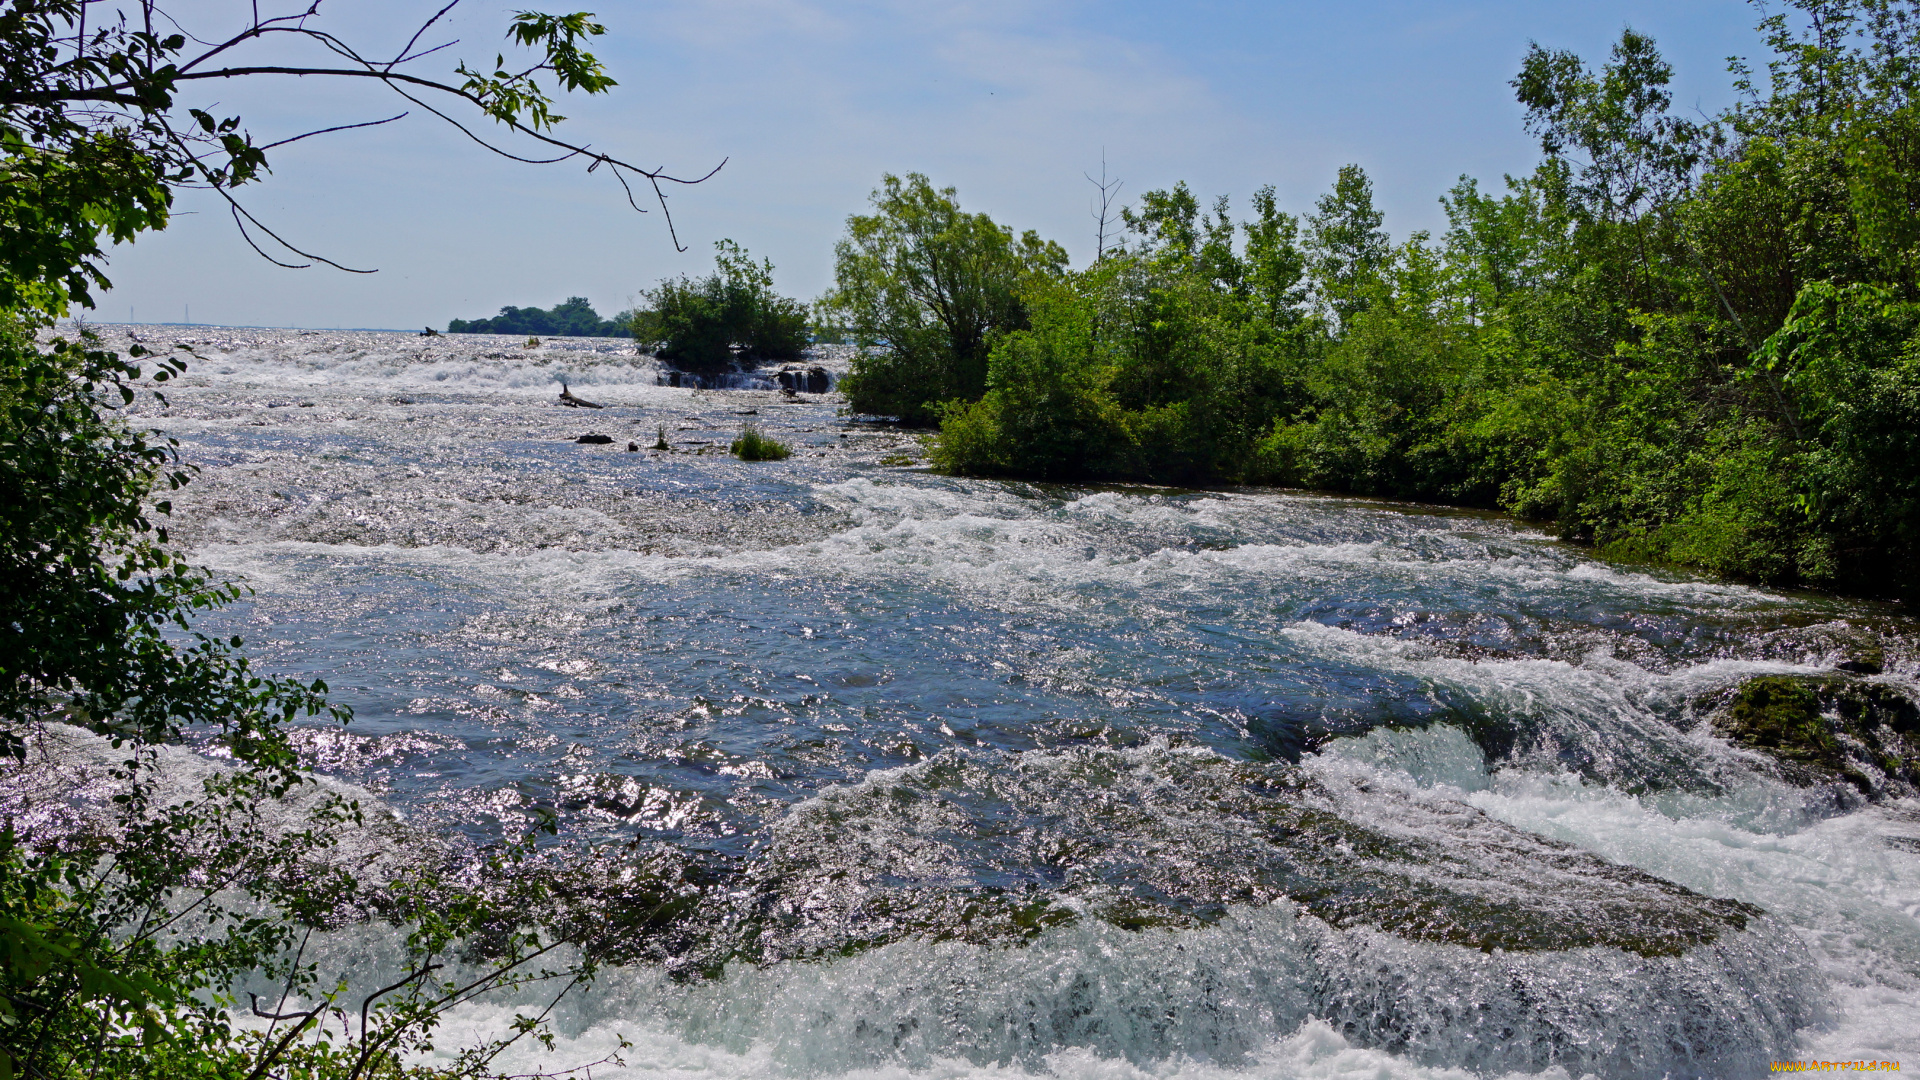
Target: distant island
[{"x": 575, "y": 318}]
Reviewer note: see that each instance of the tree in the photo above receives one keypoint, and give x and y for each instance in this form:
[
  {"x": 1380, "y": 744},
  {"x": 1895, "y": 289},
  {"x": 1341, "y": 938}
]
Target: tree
[
  {"x": 1166, "y": 222},
  {"x": 731, "y": 314},
  {"x": 1691, "y": 339},
  {"x": 1103, "y": 217},
  {"x": 1275, "y": 265},
  {"x": 121, "y": 954},
  {"x": 1348, "y": 246},
  {"x": 926, "y": 288},
  {"x": 1166, "y": 362}
]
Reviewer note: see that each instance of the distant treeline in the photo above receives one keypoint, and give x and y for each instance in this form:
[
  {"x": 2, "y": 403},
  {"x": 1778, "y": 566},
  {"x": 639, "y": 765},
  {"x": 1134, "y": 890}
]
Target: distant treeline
[
  {"x": 575, "y": 318},
  {"x": 1684, "y": 338}
]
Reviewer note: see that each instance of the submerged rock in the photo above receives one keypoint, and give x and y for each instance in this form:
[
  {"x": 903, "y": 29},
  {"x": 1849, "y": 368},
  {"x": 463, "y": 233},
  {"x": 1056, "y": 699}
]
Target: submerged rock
[
  {"x": 1822, "y": 729},
  {"x": 997, "y": 848}
]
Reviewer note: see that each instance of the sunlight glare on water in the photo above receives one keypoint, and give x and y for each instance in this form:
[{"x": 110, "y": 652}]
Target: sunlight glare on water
[{"x": 1112, "y": 782}]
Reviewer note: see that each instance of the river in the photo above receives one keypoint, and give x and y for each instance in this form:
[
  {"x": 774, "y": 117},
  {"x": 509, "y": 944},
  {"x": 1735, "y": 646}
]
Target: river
[{"x": 998, "y": 779}]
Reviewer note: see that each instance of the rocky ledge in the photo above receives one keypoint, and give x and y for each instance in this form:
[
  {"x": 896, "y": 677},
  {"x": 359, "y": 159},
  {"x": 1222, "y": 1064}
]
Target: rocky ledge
[{"x": 1829, "y": 728}]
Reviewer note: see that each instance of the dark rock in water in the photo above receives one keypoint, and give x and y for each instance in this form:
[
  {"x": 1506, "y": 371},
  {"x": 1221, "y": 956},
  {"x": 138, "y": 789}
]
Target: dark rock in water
[
  {"x": 429, "y": 332},
  {"x": 567, "y": 398},
  {"x": 595, "y": 439},
  {"x": 633, "y": 448},
  {"x": 1830, "y": 728},
  {"x": 809, "y": 380}
]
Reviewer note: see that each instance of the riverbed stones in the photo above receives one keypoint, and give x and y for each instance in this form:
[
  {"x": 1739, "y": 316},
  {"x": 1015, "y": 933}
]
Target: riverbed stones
[{"x": 1826, "y": 729}]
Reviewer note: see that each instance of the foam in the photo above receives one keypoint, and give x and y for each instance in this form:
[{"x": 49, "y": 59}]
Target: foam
[{"x": 1236, "y": 1000}]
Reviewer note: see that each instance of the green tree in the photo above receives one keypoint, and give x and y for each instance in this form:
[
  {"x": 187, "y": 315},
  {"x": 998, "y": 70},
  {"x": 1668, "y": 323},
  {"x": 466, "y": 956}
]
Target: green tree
[
  {"x": 926, "y": 288},
  {"x": 1163, "y": 362},
  {"x": 1167, "y": 222},
  {"x": 1681, "y": 338},
  {"x": 1347, "y": 245},
  {"x": 1276, "y": 266}
]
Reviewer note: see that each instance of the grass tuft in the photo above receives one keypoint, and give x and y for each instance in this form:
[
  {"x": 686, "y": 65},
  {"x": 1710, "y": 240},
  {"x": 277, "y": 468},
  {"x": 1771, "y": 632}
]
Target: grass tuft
[{"x": 753, "y": 446}]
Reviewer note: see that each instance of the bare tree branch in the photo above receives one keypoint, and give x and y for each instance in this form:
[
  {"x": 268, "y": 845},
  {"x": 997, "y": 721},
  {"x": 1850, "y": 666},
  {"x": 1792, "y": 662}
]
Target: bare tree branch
[
  {"x": 256, "y": 247},
  {"x": 402, "y": 57},
  {"x": 324, "y": 131}
]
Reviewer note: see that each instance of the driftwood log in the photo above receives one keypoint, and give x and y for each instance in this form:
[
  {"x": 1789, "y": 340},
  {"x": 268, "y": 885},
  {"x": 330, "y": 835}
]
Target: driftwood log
[{"x": 567, "y": 398}]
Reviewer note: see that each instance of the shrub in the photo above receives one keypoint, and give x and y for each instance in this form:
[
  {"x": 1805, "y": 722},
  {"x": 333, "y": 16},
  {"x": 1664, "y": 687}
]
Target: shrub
[
  {"x": 753, "y": 446},
  {"x": 733, "y": 313}
]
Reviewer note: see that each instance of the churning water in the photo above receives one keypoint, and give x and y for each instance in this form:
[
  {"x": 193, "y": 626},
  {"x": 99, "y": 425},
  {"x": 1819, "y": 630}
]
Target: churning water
[{"x": 992, "y": 779}]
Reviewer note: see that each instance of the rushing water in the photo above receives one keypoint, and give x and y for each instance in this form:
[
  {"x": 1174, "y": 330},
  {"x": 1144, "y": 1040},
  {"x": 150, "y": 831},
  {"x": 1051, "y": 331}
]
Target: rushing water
[{"x": 998, "y": 779}]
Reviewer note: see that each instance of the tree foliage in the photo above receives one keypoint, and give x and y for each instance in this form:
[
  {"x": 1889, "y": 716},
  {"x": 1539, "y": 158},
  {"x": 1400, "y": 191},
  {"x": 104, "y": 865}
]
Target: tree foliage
[
  {"x": 1694, "y": 339},
  {"x": 574, "y": 318},
  {"x": 927, "y": 288}
]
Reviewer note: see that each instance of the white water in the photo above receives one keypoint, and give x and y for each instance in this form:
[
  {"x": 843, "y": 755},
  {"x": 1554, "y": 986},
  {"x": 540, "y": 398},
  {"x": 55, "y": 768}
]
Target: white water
[{"x": 708, "y": 648}]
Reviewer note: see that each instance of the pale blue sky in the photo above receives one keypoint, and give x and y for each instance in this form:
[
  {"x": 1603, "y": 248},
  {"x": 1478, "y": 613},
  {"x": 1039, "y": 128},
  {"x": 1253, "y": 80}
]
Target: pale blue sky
[{"x": 812, "y": 102}]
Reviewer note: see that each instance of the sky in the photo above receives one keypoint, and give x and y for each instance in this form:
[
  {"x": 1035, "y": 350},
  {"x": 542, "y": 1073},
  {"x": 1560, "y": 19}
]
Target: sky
[{"x": 809, "y": 104}]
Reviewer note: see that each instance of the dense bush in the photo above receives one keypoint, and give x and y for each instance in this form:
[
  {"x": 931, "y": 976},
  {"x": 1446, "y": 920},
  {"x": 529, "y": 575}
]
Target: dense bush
[
  {"x": 1692, "y": 340},
  {"x": 730, "y": 315},
  {"x": 1165, "y": 361}
]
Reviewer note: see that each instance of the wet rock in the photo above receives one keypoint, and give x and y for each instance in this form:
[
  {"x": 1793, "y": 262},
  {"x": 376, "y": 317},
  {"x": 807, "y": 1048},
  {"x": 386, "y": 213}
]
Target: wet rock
[
  {"x": 805, "y": 380},
  {"x": 1822, "y": 729},
  {"x": 594, "y": 439},
  {"x": 1866, "y": 657},
  {"x": 633, "y": 448},
  {"x": 1862, "y": 646},
  {"x": 995, "y": 848}
]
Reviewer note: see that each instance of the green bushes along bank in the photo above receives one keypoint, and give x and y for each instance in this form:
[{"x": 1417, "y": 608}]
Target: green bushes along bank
[{"x": 1689, "y": 340}]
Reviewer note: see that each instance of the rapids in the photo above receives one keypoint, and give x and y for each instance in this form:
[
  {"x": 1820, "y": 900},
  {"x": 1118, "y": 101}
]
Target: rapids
[{"x": 995, "y": 779}]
